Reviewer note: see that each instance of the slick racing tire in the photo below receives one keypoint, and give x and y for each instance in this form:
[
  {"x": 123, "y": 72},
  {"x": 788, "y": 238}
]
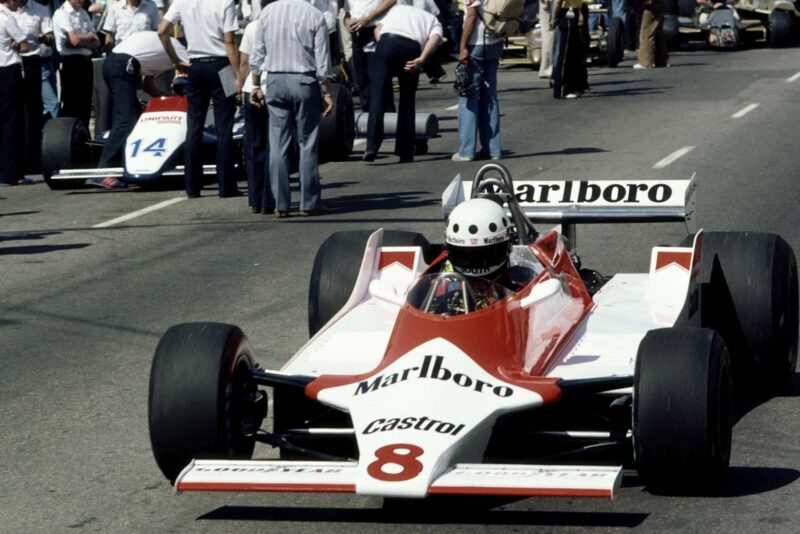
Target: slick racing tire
[
  {"x": 753, "y": 303},
  {"x": 682, "y": 411},
  {"x": 615, "y": 42},
  {"x": 337, "y": 131},
  {"x": 336, "y": 268},
  {"x": 782, "y": 29},
  {"x": 64, "y": 146},
  {"x": 201, "y": 402}
]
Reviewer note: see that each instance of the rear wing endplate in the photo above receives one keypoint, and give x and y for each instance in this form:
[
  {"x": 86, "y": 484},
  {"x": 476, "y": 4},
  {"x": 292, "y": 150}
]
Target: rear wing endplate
[{"x": 592, "y": 201}]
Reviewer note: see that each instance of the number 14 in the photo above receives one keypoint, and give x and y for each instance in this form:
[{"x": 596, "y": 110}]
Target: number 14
[{"x": 156, "y": 147}]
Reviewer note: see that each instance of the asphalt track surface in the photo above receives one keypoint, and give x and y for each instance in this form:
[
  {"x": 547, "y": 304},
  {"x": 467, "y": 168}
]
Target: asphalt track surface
[{"x": 83, "y": 307}]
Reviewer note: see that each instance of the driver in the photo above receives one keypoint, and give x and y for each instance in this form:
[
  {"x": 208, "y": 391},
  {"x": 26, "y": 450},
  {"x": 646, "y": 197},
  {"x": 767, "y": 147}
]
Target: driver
[{"x": 478, "y": 243}]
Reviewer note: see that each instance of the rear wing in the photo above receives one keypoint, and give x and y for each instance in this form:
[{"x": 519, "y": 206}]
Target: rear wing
[{"x": 592, "y": 201}]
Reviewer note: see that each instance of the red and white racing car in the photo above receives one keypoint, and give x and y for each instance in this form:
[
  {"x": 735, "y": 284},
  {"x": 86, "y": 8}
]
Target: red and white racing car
[{"x": 407, "y": 389}]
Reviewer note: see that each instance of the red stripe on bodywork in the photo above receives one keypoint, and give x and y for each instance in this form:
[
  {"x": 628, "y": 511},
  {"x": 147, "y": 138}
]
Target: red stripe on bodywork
[
  {"x": 496, "y": 338},
  {"x": 168, "y": 103},
  {"x": 253, "y": 486},
  {"x": 405, "y": 259},
  {"x": 681, "y": 259},
  {"x": 522, "y": 492}
]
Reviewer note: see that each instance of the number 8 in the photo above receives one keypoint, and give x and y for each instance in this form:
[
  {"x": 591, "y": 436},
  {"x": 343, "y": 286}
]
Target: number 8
[{"x": 390, "y": 454}]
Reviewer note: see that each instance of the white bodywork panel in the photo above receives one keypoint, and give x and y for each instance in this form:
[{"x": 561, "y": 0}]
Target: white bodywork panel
[
  {"x": 355, "y": 340},
  {"x": 404, "y": 405},
  {"x": 156, "y": 136},
  {"x": 626, "y": 307}
]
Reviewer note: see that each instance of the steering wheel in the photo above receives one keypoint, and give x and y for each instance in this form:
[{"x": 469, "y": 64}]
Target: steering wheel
[{"x": 443, "y": 299}]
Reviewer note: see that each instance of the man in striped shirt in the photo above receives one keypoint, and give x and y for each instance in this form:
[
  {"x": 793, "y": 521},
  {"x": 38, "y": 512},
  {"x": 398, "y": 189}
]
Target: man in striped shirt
[{"x": 291, "y": 45}]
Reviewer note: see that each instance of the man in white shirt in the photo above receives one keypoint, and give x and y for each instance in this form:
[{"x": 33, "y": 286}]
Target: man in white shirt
[
  {"x": 127, "y": 17},
  {"x": 213, "y": 74},
  {"x": 12, "y": 42},
  {"x": 140, "y": 55},
  {"x": 408, "y": 37},
  {"x": 360, "y": 18},
  {"x": 291, "y": 45},
  {"x": 330, "y": 10},
  {"x": 75, "y": 42},
  {"x": 34, "y": 19}
]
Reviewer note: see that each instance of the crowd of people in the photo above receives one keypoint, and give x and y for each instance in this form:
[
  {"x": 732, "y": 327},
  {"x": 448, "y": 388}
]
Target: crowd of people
[{"x": 280, "y": 75}]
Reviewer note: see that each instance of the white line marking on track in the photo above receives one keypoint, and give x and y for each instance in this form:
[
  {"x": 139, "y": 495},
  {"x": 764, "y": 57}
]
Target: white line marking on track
[
  {"x": 793, "y": 78},
  {"x": 139, "y": 213},
  {"x": 451, "y": 108},
  {"x": 672, "y": 157},
  {"x": 744, "y": 111}
]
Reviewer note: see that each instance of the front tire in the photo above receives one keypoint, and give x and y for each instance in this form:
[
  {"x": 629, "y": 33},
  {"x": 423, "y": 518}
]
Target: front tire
[
  {"x": 64, "y": 146},
  {"x": 201, "y": 402},
  {"x": 682, "y": 410}
]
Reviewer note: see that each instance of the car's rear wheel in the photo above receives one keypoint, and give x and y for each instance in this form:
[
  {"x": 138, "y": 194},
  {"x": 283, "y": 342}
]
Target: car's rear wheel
[
  {"x": 202, "y": 403},
  {"x": 782, "y": 29},
  {"x": 682, "y": 410},
  {"x": 336, "y": 269},
  {"x": 64, "y": 146},
  {"x": 337, "y": 131},
  {"x": 753, "y": 304}
]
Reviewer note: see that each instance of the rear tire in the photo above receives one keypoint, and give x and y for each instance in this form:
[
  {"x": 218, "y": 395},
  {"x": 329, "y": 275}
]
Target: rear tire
[
  {"x": 337, "y": 131},
  {"x": 201, "y": 402},
  {"x": 336, "y": 268},
  {"x": 782, "y": 29},
  {"x": 753, "y": 304},
  {"x": 682, "y": 410},
  {"x": 64, "y": 146}
]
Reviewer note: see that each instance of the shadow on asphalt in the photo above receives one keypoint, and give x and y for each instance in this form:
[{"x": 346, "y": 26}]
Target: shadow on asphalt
[
  {"x": 745, "y": 404},
  {"x": 380, "y": 201},
  {"x": 461, "y": 512},
  {"x": 38, "y": 249},
  {"x": 634, "y": 91},
  {"x": 15, "y": 213},
  {"x": 27, "y": 236},
  {"x": 741, "y": 481},
  {"x": 744, "y": 481}
]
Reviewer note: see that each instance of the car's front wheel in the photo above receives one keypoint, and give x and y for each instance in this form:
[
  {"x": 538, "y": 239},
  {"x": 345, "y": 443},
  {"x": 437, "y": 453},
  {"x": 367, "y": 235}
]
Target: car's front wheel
[
  {"x": 64, "y": 146},
  {"x": 202, "y": 402},
  {"x": 682, "y": 410}
]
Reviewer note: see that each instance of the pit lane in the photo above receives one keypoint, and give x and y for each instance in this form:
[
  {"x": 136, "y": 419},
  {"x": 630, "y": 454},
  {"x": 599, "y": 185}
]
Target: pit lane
[{"x": 83, "y": 308}]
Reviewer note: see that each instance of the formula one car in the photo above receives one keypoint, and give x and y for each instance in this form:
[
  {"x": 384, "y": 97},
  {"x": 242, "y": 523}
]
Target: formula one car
[
  {"x": 741, "y": 22},
  {"x": 409, "y": 388},
  {"x": 154, "y": 149}
]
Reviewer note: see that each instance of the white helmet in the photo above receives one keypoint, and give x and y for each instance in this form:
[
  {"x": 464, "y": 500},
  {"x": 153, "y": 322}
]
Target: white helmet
[{"x": 477, "y": 237}]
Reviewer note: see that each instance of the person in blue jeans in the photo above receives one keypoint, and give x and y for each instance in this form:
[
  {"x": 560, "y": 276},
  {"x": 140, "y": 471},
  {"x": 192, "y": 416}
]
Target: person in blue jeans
[{"x": 479, "y": 110}]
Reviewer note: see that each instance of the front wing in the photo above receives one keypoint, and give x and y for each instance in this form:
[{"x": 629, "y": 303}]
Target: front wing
[{"x": 460, "y": 479}]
